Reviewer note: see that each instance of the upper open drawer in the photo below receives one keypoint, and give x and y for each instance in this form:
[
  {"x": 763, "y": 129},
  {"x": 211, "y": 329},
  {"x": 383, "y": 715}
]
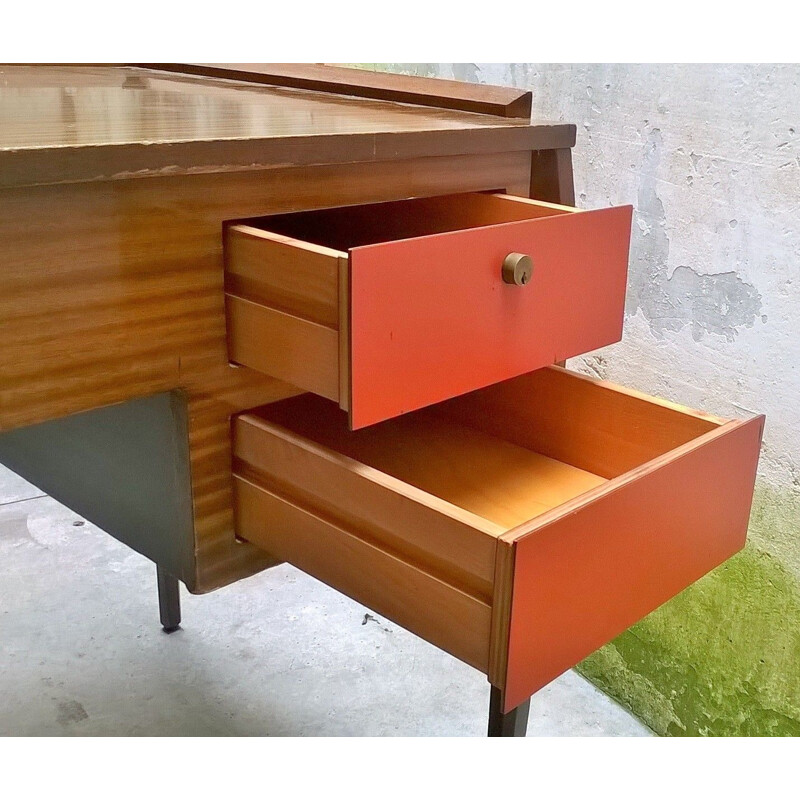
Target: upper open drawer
[{"x": 390, "y": 307}]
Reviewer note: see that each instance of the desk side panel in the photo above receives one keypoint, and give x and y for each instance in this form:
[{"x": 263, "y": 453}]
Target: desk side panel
[{"x": 125, "y": 468}]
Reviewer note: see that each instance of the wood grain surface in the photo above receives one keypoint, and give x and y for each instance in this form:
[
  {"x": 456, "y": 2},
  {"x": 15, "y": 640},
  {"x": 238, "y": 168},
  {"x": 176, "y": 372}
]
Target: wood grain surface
[
  {"x": 286, "y": 274},
  {"x": 63, "y": 124},
  {"x": 580, "y": 420},
  {"x": 484, "y": 474},
  {"x": 394, "y": 587},
  {"x": 450, "y": 541},
  {"x": 286, "y": 313},
  {"x": 478, "y": 98},
  {"x": 115, "y": 290}
]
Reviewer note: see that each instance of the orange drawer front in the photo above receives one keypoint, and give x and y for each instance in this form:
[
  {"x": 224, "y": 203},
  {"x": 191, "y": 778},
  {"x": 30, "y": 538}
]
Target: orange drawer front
[
  {"x": 519, "y": 527},
  {"x": 391, "y": 307}
]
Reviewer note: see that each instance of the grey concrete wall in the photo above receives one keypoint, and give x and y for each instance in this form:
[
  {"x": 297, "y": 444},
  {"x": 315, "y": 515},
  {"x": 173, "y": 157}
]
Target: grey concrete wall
[{"x": 709, "y": 156}]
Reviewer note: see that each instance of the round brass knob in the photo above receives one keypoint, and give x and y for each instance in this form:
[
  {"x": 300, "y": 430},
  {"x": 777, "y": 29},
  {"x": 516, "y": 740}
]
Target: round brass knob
[{"x": 517, "y": 269}]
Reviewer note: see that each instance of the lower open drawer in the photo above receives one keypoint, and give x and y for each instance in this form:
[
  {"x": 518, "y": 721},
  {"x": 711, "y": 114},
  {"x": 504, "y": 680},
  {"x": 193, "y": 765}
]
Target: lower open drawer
[{"x": 519, "y": 527}]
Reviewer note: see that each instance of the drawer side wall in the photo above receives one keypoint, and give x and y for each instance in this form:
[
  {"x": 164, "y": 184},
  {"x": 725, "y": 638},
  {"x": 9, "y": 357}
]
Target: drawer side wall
[
  {"x": 452, "y": 620},
  {"x": 291, "y": 276},
  {"x": 330, "y": 486},
  {"x": 590, "y": 424}
]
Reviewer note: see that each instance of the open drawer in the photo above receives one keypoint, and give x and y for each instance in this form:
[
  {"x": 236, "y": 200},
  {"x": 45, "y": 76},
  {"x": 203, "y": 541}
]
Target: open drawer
[
  {"x": 390, "y": 307},
  {"x": 519, "y": 527}
]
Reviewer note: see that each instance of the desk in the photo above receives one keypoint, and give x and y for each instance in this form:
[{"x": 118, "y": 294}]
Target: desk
[{"x": 118, "y": 187}]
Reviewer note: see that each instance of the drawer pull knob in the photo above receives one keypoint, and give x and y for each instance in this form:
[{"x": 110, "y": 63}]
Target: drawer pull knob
[{"x": 517, "y": 269}]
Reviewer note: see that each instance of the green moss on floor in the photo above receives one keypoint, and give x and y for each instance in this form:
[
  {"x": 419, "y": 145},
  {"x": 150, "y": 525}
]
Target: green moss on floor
[{"x": 722, "y": 658}]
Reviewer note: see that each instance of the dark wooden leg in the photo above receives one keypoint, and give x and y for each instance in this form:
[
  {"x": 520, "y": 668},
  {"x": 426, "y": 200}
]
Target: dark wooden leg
[
  {"x": 551, "y": 176},
  {"x": 515, "y": 723},
  {"x": 553, "y": 181},
  {"x": 169, "y": 601}
]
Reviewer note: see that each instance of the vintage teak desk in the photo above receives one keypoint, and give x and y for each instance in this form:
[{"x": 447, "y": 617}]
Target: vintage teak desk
[{"x": 309, "y": 314}]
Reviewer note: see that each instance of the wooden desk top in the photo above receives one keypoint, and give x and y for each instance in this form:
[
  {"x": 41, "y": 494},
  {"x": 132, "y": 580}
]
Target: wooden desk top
[{"x": 64, "y": 124}]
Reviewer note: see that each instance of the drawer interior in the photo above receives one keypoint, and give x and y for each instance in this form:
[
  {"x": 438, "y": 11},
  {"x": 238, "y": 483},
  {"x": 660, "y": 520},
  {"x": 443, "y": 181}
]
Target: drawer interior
[
  {"x": 512, "y": 451},
  {"x": 357, "y": 226}
]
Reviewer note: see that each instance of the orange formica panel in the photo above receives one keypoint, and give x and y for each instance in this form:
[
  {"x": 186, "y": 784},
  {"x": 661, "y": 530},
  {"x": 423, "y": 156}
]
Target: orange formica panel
[
  {"x": 595, "y": 570},
  {"x": 431, "y": 317}
]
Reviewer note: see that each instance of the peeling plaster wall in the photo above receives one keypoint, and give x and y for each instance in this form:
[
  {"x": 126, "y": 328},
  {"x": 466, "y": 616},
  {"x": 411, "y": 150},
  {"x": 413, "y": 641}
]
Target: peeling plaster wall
[{"x": 709, "y": 156}]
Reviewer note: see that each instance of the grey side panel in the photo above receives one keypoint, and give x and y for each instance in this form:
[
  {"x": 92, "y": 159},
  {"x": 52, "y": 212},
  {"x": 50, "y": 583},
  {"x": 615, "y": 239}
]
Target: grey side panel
[{"x": 124, "y": 467}]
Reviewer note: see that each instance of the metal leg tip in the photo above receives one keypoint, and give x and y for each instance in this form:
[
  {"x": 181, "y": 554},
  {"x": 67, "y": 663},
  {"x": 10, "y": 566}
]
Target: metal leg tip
[
  {"x": 169, "y": 602},
  {"x": 171, "y": 628}
]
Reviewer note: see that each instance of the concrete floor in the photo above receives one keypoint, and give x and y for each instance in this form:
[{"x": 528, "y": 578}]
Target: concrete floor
[{"x": 280, "y": 654}]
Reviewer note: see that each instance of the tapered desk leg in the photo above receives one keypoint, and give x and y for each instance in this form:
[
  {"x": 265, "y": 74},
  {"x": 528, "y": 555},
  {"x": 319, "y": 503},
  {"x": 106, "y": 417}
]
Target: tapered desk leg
[
  {"x": 514, "y": 723},
  {"x": 169, "y": 601}
]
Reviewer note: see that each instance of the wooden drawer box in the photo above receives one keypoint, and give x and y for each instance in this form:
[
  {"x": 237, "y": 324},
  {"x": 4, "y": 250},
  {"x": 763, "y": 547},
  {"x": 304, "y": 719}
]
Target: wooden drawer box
[
  {"x": 519, "y": 527},
  {"x": 390, "y": 307}
]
